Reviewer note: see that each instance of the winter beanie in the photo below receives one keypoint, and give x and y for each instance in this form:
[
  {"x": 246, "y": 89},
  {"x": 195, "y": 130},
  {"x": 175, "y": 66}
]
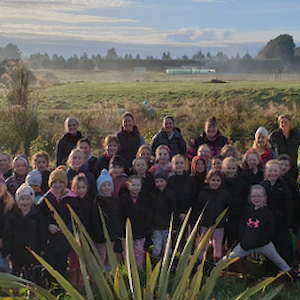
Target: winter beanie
[
  {"x": 162, "y": 174},
  {"x": 34, "y": 177},
  {"x": 25, "y": 190},
  {"x": 118, "y": 161},
  {"x": 261, "y": 131},
  {"x": 60, "y": 173},
  {"x": 104, "y": 177},
  {"x": 21, "y": 157}
]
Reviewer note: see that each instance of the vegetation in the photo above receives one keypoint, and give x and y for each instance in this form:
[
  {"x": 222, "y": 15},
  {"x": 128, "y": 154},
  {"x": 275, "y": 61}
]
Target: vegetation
[{"x": 160, "y": 282}]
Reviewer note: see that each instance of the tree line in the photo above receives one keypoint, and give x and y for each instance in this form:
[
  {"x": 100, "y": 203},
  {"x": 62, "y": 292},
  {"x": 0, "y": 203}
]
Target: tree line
[{"x": 280, "y": 52}]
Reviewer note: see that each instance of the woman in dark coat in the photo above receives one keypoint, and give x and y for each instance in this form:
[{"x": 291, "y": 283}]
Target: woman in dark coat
[
  {"x": 68, "y": 141},
  {"x": 286, "y": 140},
  {"x": 169, "y": 135}
]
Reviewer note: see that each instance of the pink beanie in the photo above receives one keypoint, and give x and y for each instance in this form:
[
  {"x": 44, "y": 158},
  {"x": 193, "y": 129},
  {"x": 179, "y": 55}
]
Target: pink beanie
[{"x": 25, "y": 190}]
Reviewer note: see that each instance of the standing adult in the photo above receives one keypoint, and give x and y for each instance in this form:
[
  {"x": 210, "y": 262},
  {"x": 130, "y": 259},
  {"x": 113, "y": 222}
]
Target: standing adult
[
  {"x": 286, "y": 140},
  {"x": 211, "y": 136},
  {"x": 130, "y": 140},
  {"x": 170, "y": 136},
  {"x": 68, "y": 141}
]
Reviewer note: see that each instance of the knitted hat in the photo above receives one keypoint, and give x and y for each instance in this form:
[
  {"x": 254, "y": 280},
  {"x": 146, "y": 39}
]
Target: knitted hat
[
  {"x": 2, "y": 180},
  {"x": 60, "y": 173},
  {"x": 162, "y": 174},
  {"x": 261, "y": 131},
  {"x": 34, "y": 177},
  {"x": 25, "y": 190},
  {"x": 104, "y": 177},
  {"x": 118, "y": 161},
  {"x": 22, "y": 157}
]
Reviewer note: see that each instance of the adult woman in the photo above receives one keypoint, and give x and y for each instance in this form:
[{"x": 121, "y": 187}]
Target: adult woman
[
  {"x": 262, "y": 146},
  {"x": 68, "y": 141},
  {"x": 286, "y": 140},
  {"x": 130, "y": 140},
  {"x": 211, "y": 136},
  {"x": 170, "y": 136},
  {"x": 5, "y": 165}
]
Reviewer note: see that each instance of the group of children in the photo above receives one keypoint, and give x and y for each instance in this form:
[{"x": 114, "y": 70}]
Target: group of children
[{"x": 148, "y": 195}]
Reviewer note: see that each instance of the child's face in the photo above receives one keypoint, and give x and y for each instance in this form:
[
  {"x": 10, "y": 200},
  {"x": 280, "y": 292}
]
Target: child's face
[
  {"x": 106, "y": 188},
  {"x": 4, "y": 162},
  {"x": 86, "y": 149},
  {"x": 258, "y": 198},
  {"x": 230, "y": 170},
  {"x": 128, "y": 124},
  {"x": 58, "y": 186},
  {"x": 140, "y": 166},
  {"x": 262, "y": 141},
  {"x": 229, "y": 153},
  {"x": 217, "y": 164},
  {"x": 112, "y": 148},
  {"x": 160, "y": 184},
  {"x": 163, "y": 156},
  {"x": 205, "y": 153},
  {"x": 41, "y": 164},
  {"x": 215, "y": 182},
  {"x": 179, "y": 165},
  {"x": 81, "y": 189},
  {"x": 252, "y": 161},
  {"x": 116, "y": 171},
  {"x": 200, "y": 167},
  {"x": 36, "y": 188},
  {"x": 146, "y": 153},
  {"x": 20, "y": 167},
  {"x": 25, "y": 203},
  {"x": 135, "y": 187},
  {"x": 273, "y": 173},
  {"x": 285, "y": 166},
  {"x": 2, "y": 190},
  {"x": 77, "y": 160}
]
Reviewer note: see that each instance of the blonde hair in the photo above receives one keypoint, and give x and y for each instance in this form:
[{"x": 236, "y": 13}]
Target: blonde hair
[
  {"x": 258, "y": 187},
  {"x": 7, "y": 155},
  {"x": 229, "y": 148},
  {"x": 111, "y": 139},
  {"x": 269, "y": 164},
  {"x": 229, "y": 160},
  {"x": 40, "y": 154},
  {"x": 143, "y": 147},
  {"x": 162, "y": 147},
  {"x": 175, "y": 157},
  {"x": 70, "y": 157},
  {"x": 139, "y": 158},
  {"x": 8, "y": 200},
  {"x": 79, "y": 178},
  {"x": 202, "y": 147}
]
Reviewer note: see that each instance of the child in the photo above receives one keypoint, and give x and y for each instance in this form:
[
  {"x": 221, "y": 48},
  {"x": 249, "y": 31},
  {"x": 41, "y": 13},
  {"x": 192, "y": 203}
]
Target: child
[
  {"x": 229, "y": 150},
  {"x": 6, "y": 207},
  {"x": 136, "y": 207},
  {"x": 40, "y": 161},
  {"x": 217, "y": 200},
  {"x": 251, "y": 169},
  {"x": 34, "y": 179},
  {"x": 162, "y": 154},
  {"x": 217, "y": 162},
  {"x": 76, "y": 165},
  {"x": 238, "y": 190},
  {"x": 24, "y": 227},
  {"x": 257, "y": 229},
  {"x": 116, "y": 171},
  {"x": 109, "y": 209},
  {"x": 85, "y": 145},
  {"x": 183, "y": 186},
  {"x": 145, "y": 151},
  {"x": 5, "y": 165},
  {"x": 80, "y": 187},
  {"x": 111, "y": 146},
  {"x": 204, "y": 152},
  {"x": 20, "y": 170},
  {"x": 198, "y": 173},
  {"x": 59, "y": 196},
  {"x": 281, "y": 205},
  {"x": 140, "y": 168},
  {"x": 164, "y": 203}
]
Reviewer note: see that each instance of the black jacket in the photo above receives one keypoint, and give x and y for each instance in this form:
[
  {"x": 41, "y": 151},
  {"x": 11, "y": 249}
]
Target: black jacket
[
  {"x": 64, "y": 147},
  {"x": 109, "y": 207},
  {"x": 252, "y": 178},
  {"x": 45, "y": 178},
  {"x": 176, "y": 144},
  {"x": 289, "y": 146},
  {"x": 102, "y": 163},
  {"x": 139, "y": 213},
  {"x": 256, "y": 227},
  {"x": 3, "y": 215},
  {"x": 21, "y": 231},
  {"x": 163, "y": 204},
  {"x": 280, "y": 202},
  {"x": 217, "y": 200}
]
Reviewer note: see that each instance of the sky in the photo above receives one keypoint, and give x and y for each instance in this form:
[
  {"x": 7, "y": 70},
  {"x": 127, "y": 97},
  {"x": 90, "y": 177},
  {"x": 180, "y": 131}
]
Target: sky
[{"x": 147, "y": 27}]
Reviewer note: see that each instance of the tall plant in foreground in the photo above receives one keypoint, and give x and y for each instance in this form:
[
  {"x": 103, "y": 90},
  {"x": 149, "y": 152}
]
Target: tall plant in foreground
[{"x": 160, "y": 283}]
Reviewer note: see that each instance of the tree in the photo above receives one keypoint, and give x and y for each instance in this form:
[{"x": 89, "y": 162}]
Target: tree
[
  {"x": 112, "y": 54},
  {"x": 247, "y": 56},
  {"x": 137, "y": 57},
  {"x": 185, "y": 57},
  {"x": 297, "y": 52},
  {"x": 73, "y": 63},
  {"x": 198, "y": 56},
  {"x": 166, "y": 56},
  {"x": 282, "y": 48},
  {"x": 10, "y": 51}
]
